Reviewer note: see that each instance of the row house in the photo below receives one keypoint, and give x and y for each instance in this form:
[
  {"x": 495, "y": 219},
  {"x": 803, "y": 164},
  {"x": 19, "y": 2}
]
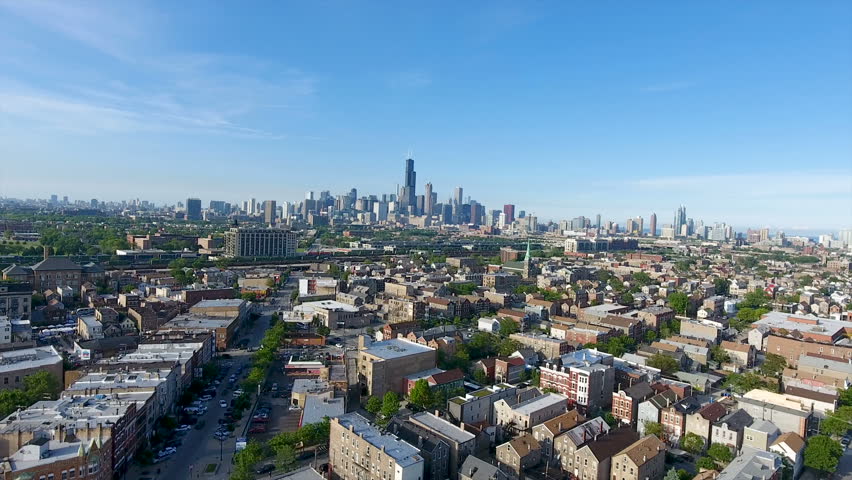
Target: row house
[
  {"x": 518, "y": 455},
  {"x": 566, "y": 445},
  {"x": 594, "y": 460},
  {"x": 729, "y": 429},
  {"x": 702, "y": 420},
  {"x": 673, "y": 419},
  {"x": 645, "y": 459},
  {"x": 547, "y": 432},
  {"x": 625, "y": 402}
]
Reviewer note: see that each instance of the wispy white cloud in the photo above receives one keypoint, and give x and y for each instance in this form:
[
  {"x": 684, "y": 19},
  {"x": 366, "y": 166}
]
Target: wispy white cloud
[
  {"x": 667, "y": 87},
  {"x": 107, "y": 27},
  {"x": 150, "y": 90}
]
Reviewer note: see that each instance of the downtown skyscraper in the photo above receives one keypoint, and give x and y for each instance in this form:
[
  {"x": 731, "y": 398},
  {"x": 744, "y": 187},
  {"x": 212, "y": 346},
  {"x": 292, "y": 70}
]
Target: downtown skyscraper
[{"x": 407, "y": 195}]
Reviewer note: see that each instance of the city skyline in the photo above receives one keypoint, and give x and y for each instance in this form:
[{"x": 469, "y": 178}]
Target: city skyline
[{"x": 528, "y": 105}]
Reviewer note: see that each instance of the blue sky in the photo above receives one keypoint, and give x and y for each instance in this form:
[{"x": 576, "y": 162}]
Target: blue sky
[{"x": 742, "y": 111}]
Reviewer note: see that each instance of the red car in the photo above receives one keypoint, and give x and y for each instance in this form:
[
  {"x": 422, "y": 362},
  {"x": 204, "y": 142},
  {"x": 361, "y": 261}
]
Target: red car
[{"x": 258, "y": 428}]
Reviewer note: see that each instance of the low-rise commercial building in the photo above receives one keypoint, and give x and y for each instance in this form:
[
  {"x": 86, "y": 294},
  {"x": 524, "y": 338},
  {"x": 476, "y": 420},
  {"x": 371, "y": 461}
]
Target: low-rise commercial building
[
  {"x": 383, "y": 366},
  {"x": 16, "y": 365},
  {"x": 547, "y": 346}
]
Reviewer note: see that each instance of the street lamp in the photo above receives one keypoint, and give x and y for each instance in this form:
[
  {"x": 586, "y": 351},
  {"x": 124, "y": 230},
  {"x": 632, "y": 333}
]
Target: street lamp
[{"x": 221, "y": 444}]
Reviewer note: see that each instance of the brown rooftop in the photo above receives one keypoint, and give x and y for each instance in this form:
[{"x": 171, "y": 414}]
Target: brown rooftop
[
  {"x": 792, "y": 439},
  {"x": 644, "y": 449},
  {"x": 564, "y": 422},
  {"x": 737, "y": 347},
  {"x": 524, "y": 444}
]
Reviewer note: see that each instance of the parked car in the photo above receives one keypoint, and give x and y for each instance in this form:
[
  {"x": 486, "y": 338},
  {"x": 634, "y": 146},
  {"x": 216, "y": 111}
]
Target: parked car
[
  {"x": 258, "y": 428},
  {"x": 223, "y": 404},
  {"x": 206, "y": 398},
  {"x": 265, "y": 469},
  {"x": 183, "y": 428}
]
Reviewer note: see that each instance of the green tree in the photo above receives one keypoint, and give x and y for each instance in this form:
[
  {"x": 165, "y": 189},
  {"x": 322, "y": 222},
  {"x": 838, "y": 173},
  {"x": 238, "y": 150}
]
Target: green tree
[
  {"x": 480, "y": 376},
  {"x": 390, "y": 405},
  {"x": 420, "y": 395},
  {"x": 650, "y": 336},
  {"x": 679, "y": 301},
  {"x": 508, "y": 327},
  {"x": 285, "y": 457},
  {"x": 323, "y": 330},
  {"x": 720, "y": 453},
  {"x": 718, "y": 354},
  {"x": 374, "y": 405},
  {"x": 41, "y": 386},
  {"x": 823, "y": 453},
  {"x": 838, "y": 422},
  {"x": 743, "y": 383},
  {"x": 654, "y": 428},
  {"x": 671, "y": 475},
  {"x": 705, "y": 463},
  {"x": 692, "y": 443},
  {"x": 249, "y": 296},
  {"x": 722, "y": 286},
  {"x": 627, "y": 299},
  {"x": 845, "y": 396},
  {"x": 665, "y": 363},
  {"x": 508, "y": 346},
  {"x": 535, "y": 378},
  {"x": 642, "y": 279},
  {"x": 806, "y": 280},
  {"x": 755, "y": 299},
  {"x": 773, "y": 365}
]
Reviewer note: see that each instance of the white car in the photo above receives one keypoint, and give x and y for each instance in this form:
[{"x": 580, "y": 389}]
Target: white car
[
  {"x": 206, "y": 398},
  {"x": 338, "y": 345},
  {"x": 183, "y": 428},
  {"x": 223, "y": 404}
]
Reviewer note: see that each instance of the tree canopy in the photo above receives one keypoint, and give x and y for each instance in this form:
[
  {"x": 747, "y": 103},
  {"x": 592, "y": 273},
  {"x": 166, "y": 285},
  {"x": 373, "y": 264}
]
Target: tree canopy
[
  {"x": 665, "y": 363},
  {"x": 679, "y": 301},
  {"x": 823, "y": 453}
]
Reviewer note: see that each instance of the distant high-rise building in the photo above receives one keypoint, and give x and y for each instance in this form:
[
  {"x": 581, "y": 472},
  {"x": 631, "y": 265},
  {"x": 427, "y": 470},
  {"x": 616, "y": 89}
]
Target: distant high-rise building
[
  {"x": 260, "y": 242},
  {"x": 522, "y": 213},
  {"x": 680, "y": 221},
  {"x": 193, "y": 209},
  {"x": 65, "y": 199},
  {"x": 54, "y": 199},
  {"x": 653, "y": 229},
  {"x": 509, "y": 212},
  {"x": 476, "y": 212},
  {"x": 407, "y": 194},
  {"x": 429, "y": 201},
  {"x": 598, "y": 221},
  {"x": 94, "y": 203},
  {"x": 640, "y": 226},
  {"x": 252, "y": 207},
  {"x": 309, "y": 195},
  {"x": 457, "y": 197},
  {"x": 269, "y": 210},
  {"x": 764, "y": 234}
]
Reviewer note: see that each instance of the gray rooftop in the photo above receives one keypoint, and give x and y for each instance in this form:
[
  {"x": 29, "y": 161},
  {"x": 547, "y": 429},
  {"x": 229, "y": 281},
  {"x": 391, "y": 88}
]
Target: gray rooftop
[
  {"x": 309, "y": 385},
  {"x": 442, "y": 427},
  {"x": 833, "y": 365},
  {"x": 751, "y": 464},
  {"x": 317, "y": 407},
  {"x": 404, "y": 454},
  {"x": 537, "y": 403},
  {"x": 306, "y": 473},
  {"x": 396, "y": 348},
  {"x": 586, "y": 431},
  {"x": 223, "y": 302},
  {"x": 764, "y": 426},
  {"x": 477, "y": 469}
]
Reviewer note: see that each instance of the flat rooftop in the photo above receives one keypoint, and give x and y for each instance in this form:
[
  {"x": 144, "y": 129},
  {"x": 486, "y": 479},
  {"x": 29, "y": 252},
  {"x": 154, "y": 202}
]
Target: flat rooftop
[
  {"x": 70, "y": 411},
  {"x": 318, "y": 407},
  {"x": 28, "y": 358},
  {"x": 443, "y": 427},
  {"x": 404, "y": 453},
  {"x": 327, "y": 305},
  {"x": 309, "y": 385},
  {"x": 224, "y": 302},
  {"x": 537, "y": 403},
  {"x": 396, "y": 348},
  {"x": 806, "y": 323},
  {"x": 198, "y": 321}
]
